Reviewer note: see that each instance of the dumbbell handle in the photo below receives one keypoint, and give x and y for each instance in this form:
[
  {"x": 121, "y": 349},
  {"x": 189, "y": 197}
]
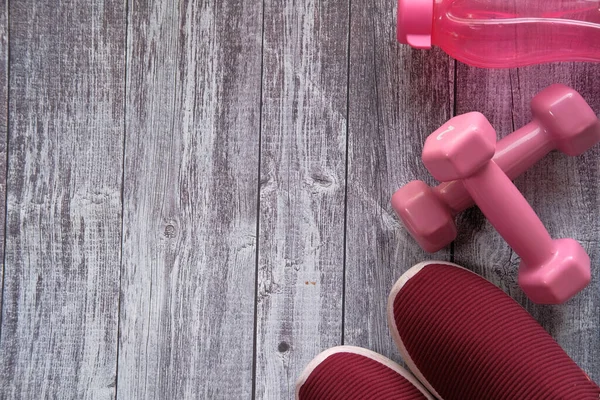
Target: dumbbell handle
[
  {"x": 515, "y": 154},
  {"x": 512, "y": 216}
]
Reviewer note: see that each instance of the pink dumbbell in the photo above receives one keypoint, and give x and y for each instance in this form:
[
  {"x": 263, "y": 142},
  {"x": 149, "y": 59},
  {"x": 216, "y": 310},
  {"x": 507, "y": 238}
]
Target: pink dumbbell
[
  {"x": 562, "y": 120},
  {"x": 551, "y": 271}
]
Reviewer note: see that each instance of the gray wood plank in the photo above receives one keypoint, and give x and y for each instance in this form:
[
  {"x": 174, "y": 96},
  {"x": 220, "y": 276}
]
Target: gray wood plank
[
  {"x": 59, "y": 317},
  {"x": 3, "y": 126},
  {"x": 303, "y": 163},
  {"x": 563, "y": 190},
  {"x": 397, "y": 97},
  {"x": 190, "y": 200}
]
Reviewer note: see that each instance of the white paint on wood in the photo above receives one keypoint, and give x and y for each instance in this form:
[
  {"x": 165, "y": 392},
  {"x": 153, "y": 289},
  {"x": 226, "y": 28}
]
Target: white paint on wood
[
  {"x": 192, "y": 123},
  {"x": 301, "y": 239},
  {"x": 190, "y": 200},
  {"x": 3, "y": 126},
  {"x": 59, "y": 317},
  {"x": 397, "y": 97}
]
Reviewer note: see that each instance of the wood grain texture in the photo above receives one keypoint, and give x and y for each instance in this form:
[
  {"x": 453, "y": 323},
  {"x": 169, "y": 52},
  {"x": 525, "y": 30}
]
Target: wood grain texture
[
  {"x": 564, "y": 191},
  {"x": 3, "y": 128},
  {"x": 191, "y": 191},
  {"x": 296, "y": 123},
  {"x": 59, "y": 317},
  {"x": 397, "y": 97},
  {"x": 303, "y": 164}
]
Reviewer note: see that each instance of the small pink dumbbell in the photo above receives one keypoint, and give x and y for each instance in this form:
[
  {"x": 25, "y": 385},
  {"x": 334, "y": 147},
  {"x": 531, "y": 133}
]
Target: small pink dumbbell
[
  {"x": 551, "y": 271},
  {"x": 562, "y": 120}
]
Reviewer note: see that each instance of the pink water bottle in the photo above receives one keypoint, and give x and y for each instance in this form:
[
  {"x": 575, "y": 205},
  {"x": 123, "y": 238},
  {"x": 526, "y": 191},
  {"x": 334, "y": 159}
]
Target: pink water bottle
[{"x": 501, "y": 33}]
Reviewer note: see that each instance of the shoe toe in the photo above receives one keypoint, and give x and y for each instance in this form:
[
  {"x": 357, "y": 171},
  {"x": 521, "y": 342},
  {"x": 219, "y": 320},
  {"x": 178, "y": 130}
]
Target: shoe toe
[
  {"x": 351, "y": 373},
  {"x": 466, "y": 339}
]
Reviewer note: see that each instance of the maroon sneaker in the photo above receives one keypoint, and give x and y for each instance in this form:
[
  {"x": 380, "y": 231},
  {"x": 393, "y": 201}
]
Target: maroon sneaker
[
  {"x": 464, "y": 338},
  {"x": 352, "y": 373}
]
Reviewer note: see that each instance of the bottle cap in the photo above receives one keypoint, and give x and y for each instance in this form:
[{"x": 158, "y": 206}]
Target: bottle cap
[{"x": 415, "y": 23}]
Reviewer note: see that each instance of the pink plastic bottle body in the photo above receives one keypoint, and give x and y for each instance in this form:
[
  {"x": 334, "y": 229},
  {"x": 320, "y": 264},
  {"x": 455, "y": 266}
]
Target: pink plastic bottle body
[{"x": 506, "y": 34}]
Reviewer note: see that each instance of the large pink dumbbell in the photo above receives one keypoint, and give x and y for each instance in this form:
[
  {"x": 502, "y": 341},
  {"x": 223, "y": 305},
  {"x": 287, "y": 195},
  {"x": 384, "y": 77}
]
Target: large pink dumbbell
[
  {"x": 551, "y": 271},
  {"x": 562, "y": 120}
]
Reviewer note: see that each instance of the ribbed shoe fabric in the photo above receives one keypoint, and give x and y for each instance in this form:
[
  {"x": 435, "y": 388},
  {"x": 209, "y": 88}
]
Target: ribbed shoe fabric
[
  {"x": 350, "y": 376},
  {"x": 469, "y": 340}
]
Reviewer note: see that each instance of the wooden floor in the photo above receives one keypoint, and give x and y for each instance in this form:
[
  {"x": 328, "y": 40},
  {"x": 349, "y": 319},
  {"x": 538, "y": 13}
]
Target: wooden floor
[{"x": 197, "y": 192}]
